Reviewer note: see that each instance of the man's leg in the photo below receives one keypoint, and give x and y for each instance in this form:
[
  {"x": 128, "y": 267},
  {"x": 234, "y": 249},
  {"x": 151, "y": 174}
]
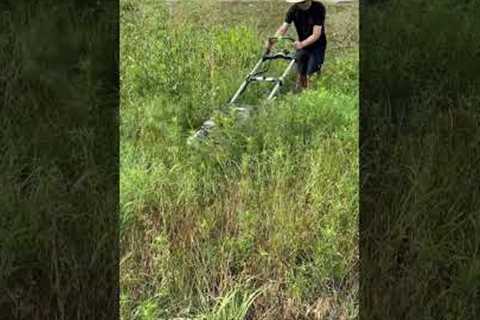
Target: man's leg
[
  {"x": 305, "y": 82},
  {"x": 302, "y": 58},
  {"x": 315, "y": 63},
  {"x": 302, "y": 81}
]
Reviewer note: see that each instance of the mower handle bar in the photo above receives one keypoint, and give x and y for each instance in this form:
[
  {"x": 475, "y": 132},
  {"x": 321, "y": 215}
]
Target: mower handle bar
[
  {"x": 267, "y": 50},
  {"x": 277, "y": 56},
  {"x": 282, "y": 38}
]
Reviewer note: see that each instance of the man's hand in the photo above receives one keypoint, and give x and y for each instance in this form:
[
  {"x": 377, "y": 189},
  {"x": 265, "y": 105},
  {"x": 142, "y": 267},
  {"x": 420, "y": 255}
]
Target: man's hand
[
  {"x": 269, "y": 44},
  {"x": 317, "y": 31},
  {"x": 298, "y": 45}
]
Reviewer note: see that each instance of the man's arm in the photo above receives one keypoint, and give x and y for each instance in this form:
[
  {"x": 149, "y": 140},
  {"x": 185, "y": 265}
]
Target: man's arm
[
  {"x": 282, "y": 30},
  {"x": 279, "y": 33},
  {"x": 317, "y": 32}
]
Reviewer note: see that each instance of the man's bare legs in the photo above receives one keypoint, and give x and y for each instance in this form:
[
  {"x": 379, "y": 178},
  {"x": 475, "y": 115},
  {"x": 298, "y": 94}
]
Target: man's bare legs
[{"x": 302, "y": 82}]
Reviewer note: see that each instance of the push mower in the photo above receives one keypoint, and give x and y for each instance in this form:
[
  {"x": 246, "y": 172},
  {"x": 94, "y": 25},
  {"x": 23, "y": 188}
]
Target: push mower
[{"x": 256, "y": 75}]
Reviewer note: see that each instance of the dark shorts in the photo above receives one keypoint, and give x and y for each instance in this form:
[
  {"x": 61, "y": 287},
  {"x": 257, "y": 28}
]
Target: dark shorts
[{"x": 309, "y": 61}]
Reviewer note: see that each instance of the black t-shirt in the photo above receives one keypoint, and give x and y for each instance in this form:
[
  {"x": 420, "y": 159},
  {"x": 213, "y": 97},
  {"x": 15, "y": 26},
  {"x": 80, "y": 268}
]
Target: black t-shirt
[{"x": 304, "y": 20}]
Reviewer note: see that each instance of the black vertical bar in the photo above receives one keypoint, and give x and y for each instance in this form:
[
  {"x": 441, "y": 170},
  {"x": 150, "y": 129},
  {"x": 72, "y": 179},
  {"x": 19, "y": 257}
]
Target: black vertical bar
[
  {"x": 419, "y": 159},
  {"x": 59, "y": 159}
]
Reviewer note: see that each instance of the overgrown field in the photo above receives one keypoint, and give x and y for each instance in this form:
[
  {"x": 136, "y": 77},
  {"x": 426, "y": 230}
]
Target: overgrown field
[{"x": 261, "y": 222}]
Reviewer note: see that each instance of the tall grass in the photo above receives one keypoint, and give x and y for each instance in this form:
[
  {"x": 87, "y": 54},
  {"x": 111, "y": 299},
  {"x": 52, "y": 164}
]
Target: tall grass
[
  {"x": 57, "y": 161},
  {"x": 268, "y": 206},
  {"x": 420, "y": 128}
]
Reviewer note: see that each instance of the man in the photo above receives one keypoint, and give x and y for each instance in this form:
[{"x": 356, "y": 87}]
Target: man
[{"x": 309, "y": 18}]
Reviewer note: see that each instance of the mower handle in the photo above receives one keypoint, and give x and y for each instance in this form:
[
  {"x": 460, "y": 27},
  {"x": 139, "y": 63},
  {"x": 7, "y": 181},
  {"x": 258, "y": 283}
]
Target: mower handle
[
  {"x": 283, "y": 56},
  {"x": 267, "y": 50},
  {"x": 282, "y": 38}
]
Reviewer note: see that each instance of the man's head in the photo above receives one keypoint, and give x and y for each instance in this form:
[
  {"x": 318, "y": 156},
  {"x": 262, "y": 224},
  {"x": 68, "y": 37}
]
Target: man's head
[{"x": 302, "y": 4}]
